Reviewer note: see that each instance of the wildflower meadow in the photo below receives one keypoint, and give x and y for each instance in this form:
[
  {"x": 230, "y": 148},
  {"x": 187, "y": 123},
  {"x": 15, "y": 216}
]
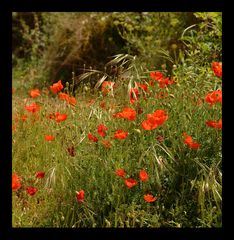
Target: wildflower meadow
[{"x": 142, "y": 148}]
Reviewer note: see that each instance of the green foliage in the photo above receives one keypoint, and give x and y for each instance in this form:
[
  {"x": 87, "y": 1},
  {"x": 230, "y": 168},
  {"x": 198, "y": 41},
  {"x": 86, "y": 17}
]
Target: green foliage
[
  {"x": 57, "y": 44},
  {"x": 29, "y": 37},
  {"x": 204, "y": 40},
  {"x": 149, "y": 32}
]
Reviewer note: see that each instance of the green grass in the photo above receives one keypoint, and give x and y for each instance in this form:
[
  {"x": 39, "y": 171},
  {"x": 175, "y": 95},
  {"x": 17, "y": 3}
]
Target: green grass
[{"x": 186, "y": 182}]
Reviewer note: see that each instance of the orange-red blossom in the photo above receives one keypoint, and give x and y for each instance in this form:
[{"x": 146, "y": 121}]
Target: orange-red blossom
[
  {"x": 60, "y": 117},
  {"x": 143, "y": 175},
  {"x": 120, "y": 134},
  {"x": 67, "y": 98},
  {"x": 159, "y": 77},
  {"x": 127, "y": 113},
  {"x": 40, "y": 174},
  {"x": 80, "y": 196},
  {"x": 56, "y": 87},
  {"x": 149, "y": 198},
  {"x": 49, "y": 138},
  {"x": 101, "y": 129},
  {"x": 120, "y": 172},
  {"x": 16, "y": 184},
  {"x": 217, "y": 68},
  {"x": 144, "y": 87},
  {"x": 189, "y": 141},
  {"x": 130, "y": 182},
  {"x": 214, "y": 124},
  {"x": 92, "y": 138},
  {"x": 154, "y": 120},
  {"x": 35, "y": 93},
  {"x": 214, "y": 97},
  {"x": 31, "y": 190},
  {"x": 33, "y": 107}
]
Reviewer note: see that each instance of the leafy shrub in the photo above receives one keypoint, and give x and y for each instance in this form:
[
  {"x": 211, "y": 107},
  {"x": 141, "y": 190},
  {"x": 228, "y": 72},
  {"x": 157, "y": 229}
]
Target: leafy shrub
[
  {"x": 29, "y": 37},
  {"x": 64, "y": 45}
]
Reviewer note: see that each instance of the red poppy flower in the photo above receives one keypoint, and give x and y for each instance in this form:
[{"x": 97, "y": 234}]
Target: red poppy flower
[
  {"x": 143, "y": 176},
  {"x": 49, "y": 138},
  {"x": 120, "y": 172},
  {"x": 71, "y": 151},
  {"x": 130, "y": 182},
  {"x": 195, "y": 145},
  {"x": 160, "y": 116},
  {"x": 107, "y": 143},
  {"x": 127, "y": 113},
  {"x": 213, "y": 97},
  {"x": 56, "y": 87},
  {"x": 144, "y": 87},
  {"x": 101, "y": 129},
  {"x": 214, "y": 124},
  {"x": 156, "y": 75},
  {"x": 35, "y": 93},
  {"x": 92, "y": 138},
  {"x": 107, "y": 86},
  {"x": 149, "y": 198},
  {"x": 72, "y": 101},
  {"x": 31, "y": 190},
  {"x": 154, "y": 120},
  {"x": 40, "y": 174},
  {"x": 63, "y": 96},
  {"x": 164, "y": 82},
  {"x": 217, "y": 68},
  {"x": 149, "y": 124},
  {"x": 120, "y": 134},
  {"x": 60, "y": 117},
  {"x": 16, "y": 184},
  {"x": 33, "y": 107},
  {"x": 189, "y": 141},
  {"x": 80, "y": 196},
  {"x": 134, "y": 95},
  {"x": 67, "y": 98},
  {"x": 24, "y": 118}
]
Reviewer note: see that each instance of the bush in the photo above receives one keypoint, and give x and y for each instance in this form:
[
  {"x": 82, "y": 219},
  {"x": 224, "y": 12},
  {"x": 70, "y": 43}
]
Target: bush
[{"x": 64, "y": 45}]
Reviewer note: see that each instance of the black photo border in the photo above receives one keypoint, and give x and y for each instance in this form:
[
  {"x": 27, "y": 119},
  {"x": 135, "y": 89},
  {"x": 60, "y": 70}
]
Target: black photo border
[{"x": 7, "y": 7}]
